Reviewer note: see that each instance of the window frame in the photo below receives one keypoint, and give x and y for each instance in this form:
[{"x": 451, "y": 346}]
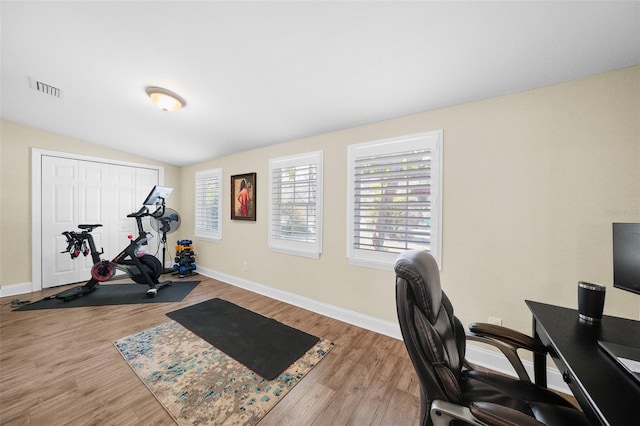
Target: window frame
[
  {"x": 287, "y": 246},
  {"x": 428, "y": 140},
  {"x": 202, "y": 234}
]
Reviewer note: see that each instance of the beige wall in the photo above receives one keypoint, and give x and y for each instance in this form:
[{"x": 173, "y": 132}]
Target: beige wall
[
  {"x": 532, "y": 183},
  {"x": 16, "y": 142}
]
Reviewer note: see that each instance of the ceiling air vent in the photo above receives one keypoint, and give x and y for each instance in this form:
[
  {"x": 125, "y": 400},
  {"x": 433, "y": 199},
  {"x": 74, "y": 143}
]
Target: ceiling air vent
[{"x": 45, "y": 88}]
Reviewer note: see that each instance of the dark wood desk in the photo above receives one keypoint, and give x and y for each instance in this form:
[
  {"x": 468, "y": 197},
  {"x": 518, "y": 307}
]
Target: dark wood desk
[{"x": 607, "y": 393}]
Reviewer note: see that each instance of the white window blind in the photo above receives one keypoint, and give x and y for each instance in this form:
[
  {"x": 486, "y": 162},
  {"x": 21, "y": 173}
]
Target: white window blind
[
  {"x": 208, "y": 207},
  {"x": 394, "y": 188},
  {"x": 295, "y": 210}
]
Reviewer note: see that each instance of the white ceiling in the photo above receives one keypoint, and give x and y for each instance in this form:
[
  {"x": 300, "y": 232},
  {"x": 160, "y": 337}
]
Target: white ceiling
[{"x": 260, "y": 73}]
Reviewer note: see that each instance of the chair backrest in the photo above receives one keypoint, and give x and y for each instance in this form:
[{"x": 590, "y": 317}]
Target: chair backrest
[{"x": 434, "y": 337}]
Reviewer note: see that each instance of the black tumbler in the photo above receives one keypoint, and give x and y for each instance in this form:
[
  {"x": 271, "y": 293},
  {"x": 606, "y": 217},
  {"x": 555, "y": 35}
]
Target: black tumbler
[{"x": 590, "y": 301}]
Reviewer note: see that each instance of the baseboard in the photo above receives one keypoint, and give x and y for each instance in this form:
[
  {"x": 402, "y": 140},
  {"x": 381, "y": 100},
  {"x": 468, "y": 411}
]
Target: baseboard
[
  {"x": 15, "y": 289},
  {"x": 475, "y": 354},
  {"x": 365, "y": 321}
]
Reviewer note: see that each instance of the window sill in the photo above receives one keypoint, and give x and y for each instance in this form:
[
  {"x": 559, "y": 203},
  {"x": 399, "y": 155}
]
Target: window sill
[{"x": 293, "y": 252}]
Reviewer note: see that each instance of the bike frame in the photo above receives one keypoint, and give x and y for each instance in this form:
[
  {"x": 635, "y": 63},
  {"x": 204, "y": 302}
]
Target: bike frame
[
  {"x": 125, "y": 260},
  {"x": 128, "y": 256}
]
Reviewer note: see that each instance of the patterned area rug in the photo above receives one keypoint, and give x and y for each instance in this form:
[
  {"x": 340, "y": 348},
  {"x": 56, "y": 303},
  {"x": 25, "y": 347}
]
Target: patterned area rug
[{"x": 200, "y": 385}]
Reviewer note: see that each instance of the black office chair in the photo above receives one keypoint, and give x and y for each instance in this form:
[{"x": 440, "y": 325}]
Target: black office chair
[{"x": 450, "y": 389}]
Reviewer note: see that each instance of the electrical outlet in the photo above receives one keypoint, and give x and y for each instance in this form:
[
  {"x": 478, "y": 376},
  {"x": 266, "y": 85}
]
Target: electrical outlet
[
  {"x": 495, "y": 321},
  {"x": 245, "y": 266}
]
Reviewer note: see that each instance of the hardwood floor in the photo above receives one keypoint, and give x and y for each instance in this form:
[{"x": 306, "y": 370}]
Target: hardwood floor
[{"x": 59, "y": 367}]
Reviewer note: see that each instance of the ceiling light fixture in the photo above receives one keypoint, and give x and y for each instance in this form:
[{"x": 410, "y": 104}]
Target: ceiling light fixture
[{"x": 165, "y": 99}]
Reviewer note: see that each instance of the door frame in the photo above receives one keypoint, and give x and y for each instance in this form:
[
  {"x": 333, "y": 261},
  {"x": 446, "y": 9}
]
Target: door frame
[{"x": 36, "y": 200}]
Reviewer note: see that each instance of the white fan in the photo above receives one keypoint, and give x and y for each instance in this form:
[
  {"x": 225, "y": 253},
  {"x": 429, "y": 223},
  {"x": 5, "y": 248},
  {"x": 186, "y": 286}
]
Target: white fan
[{"x": 167, "y": 223}]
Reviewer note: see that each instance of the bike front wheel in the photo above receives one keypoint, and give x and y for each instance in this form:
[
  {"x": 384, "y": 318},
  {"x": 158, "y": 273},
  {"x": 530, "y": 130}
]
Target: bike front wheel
[{"x": 152, "y": 266}]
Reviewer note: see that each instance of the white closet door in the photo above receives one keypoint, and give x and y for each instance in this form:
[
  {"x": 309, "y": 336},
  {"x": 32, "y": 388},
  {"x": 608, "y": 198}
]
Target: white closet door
[
  {"x": 78, "y": 192},
  {"x": 145, "y": 181},
  {"x": 122, "y": 202},
  {"x": 131, "y": 185},
  {"x": 94, "y": 192},
  {"x": 59, "y": 214}
]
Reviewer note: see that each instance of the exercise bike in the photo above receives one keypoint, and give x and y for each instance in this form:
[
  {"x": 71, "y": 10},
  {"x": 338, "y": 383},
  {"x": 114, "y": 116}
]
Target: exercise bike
[{"x": 140, "y": 267}]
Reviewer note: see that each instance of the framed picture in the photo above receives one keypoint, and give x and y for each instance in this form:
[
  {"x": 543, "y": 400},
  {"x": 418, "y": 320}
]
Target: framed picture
[{"x": 243, "y": 197}]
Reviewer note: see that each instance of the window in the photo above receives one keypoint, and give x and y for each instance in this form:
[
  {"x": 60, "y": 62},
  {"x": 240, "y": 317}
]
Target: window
[
  {"x": 295, "y": 209},
  {"x": 394, "y": 188},
  {"x": 208, "y": 205}
]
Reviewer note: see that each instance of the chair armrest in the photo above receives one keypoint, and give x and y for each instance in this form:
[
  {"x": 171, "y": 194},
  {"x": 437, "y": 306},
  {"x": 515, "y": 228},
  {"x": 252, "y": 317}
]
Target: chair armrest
[
  {"x": 507, "y": 335},
  {"x": 498, "y": 415},
  {"x": 444, "y": 413},
  {"x": 508, "y": 341}
]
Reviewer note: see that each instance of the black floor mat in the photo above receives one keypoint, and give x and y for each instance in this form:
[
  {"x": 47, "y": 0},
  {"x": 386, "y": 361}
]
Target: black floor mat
[
  {"x": 117, "y": 294},
  {"x": 264, "y": 345}
]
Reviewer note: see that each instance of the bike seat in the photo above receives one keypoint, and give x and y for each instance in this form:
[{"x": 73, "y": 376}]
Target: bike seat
[{"x": 90, "y": 227}]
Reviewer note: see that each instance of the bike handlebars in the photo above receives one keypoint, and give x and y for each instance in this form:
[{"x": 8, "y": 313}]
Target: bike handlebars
[{"x": 144, "y": 211}]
